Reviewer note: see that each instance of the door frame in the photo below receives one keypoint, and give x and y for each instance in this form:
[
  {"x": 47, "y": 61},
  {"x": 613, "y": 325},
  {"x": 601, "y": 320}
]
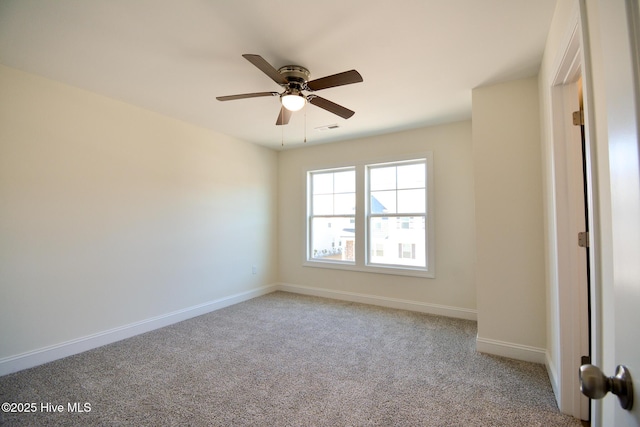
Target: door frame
[{"x": 569, "y": 305}]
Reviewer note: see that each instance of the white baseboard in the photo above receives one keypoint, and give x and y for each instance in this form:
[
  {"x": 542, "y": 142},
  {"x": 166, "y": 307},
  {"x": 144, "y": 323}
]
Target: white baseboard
[
  {"x": 511, "y": 350},
  {"x": 442, "y": 310},
  {"x": 78, "y": 345},
  {"x": 75, "y": 346}
]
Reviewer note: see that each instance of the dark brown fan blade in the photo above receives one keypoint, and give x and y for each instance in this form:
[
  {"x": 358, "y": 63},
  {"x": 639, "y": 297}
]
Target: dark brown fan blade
[
  {"x": 246, "y": 95},
  {"x": 283, "y": 117},
  {"x": 332, "y": 107},
  {"x": 265, "y": 67},
  {"x": 340, "y": 79}
]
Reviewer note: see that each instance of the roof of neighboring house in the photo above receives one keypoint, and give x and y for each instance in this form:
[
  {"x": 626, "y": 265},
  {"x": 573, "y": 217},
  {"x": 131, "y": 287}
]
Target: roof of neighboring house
[{"x": 376, "y": 206}]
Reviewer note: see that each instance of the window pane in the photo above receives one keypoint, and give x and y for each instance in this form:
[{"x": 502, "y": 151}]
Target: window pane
[
  {"x": 411, "y": 176},
  {"x": 382, "y": 178},
  {"x": 323, "y": 204},
  {"x": 411, "y": 201},
  {"x": 344, "y": 204},
  {"x": 322, "y": 183},
  {"x": 333, "y": 239},
  {"x": 344, "y": 182},
  {"x": 398, "y": 241},
  {"x": 383, "y": 201}
]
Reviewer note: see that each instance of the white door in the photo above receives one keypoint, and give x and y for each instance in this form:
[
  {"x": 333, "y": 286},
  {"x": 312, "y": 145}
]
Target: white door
[{"x": 616, "y": 94}]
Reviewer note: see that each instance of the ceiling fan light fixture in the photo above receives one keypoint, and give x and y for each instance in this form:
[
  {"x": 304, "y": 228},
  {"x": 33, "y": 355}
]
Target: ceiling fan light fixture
[{"x": 293, "y": 101}]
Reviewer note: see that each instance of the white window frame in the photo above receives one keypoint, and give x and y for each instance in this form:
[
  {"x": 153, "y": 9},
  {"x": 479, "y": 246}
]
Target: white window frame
[
  {"x": 311, "y": 216},
  {"x": 362, "y": 249}
]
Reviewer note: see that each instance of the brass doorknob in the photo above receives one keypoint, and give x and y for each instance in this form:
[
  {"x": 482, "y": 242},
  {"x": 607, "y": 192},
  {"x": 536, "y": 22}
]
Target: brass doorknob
[{"x": 595, "y": 385}]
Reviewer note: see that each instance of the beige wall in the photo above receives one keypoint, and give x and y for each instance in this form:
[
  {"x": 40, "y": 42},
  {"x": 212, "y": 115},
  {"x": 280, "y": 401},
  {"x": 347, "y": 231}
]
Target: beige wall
[
  {"x": 111, "y": 214},
  {"x": 510, "y": 279},
  {"x": 454, "y": 216}
]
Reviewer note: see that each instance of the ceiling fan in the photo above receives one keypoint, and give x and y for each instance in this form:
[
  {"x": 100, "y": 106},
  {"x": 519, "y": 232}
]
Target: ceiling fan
[{"x": 294, "y": 79}]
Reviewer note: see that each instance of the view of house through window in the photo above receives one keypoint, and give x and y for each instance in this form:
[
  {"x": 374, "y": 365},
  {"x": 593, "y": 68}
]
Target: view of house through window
[{"x": 371, "y": 217}]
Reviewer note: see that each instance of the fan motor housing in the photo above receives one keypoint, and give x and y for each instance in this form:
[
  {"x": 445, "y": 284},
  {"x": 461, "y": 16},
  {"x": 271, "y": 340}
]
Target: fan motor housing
[{"x": 295, "y": 75}]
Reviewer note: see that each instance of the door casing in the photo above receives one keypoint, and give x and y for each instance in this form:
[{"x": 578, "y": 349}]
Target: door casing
[{"x": 573, "y": 284}]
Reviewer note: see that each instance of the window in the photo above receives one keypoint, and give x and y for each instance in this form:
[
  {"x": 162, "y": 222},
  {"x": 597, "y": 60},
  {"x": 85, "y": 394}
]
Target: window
[
  {"x": 331, "y": 223},
  {"x": 379, "y": 250},
  {"x": 407, "y": 250},
  {"x": 396, "y": 213},
  {"x": 372, "y": 217}
]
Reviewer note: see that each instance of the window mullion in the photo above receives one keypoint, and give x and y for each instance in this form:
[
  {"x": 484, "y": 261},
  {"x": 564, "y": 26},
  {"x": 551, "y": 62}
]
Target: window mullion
[
  {"x": 361, "y": 203},
  {"x": 397, "y": 215}
]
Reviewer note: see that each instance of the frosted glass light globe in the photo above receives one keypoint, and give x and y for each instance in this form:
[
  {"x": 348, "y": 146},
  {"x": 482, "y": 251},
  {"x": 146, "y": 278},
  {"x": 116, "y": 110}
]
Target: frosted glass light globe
[{"x": 293, "y": 102}]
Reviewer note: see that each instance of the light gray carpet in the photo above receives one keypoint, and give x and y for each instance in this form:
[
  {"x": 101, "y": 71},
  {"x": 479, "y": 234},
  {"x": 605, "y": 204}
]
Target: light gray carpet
[{"x": 292, "y": 360}]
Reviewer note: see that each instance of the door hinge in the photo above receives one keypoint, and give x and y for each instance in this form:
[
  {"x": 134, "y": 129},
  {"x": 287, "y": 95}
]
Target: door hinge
[
  {"x": 578, "y": 118},
  {"x": 583, "y": 239}
]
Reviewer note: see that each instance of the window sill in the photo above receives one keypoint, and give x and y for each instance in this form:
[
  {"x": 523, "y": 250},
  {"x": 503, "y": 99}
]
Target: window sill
[{"x": 395, "y": 271}]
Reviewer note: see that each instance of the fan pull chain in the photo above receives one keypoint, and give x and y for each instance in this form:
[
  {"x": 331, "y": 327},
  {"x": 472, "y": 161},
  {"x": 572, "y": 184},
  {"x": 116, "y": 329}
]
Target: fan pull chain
[
  {"x": 282, "y": 129},
  {"x": 305, "y": 123}
]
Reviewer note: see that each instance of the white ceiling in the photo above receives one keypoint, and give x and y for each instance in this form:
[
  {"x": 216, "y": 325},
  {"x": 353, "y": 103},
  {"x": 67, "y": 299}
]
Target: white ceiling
[{"x": 419, "y": 58}]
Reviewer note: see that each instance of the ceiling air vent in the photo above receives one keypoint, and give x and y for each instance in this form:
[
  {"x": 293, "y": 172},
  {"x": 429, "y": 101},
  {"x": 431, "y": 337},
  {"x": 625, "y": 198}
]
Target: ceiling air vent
[{"x": 327, "y": 127}]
